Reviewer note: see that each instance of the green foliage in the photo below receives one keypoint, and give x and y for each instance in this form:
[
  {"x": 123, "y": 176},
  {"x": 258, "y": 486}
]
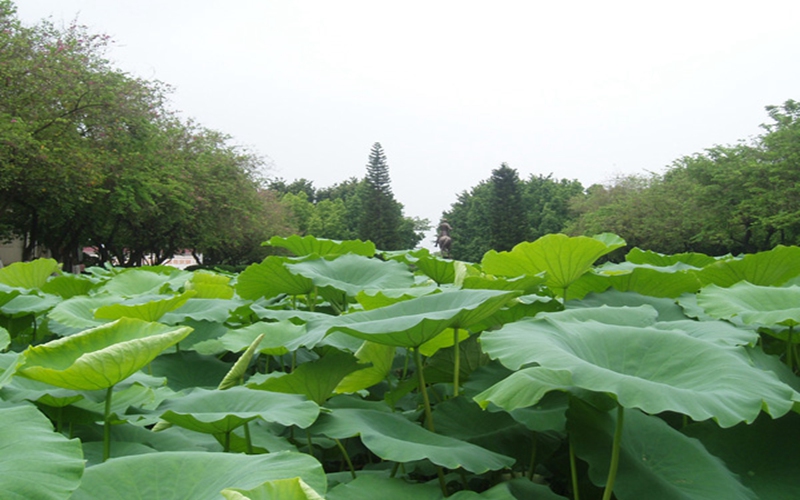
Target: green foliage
[
  {"x": 727, "y": 199},
  {"x": 500, "y": 212},
  {"x": 92, "y": 157},
  {"x": 303, "y": 370}
]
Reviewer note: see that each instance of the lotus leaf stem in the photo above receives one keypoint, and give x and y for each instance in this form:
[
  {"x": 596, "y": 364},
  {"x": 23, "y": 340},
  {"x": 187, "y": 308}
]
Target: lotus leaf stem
[
  {"x": 248, "y": 439},
  {"x": 612, "y": 470},
  {"x": 573, "y": 470},
  {"x": 790, "y": 349},
  {"x": 428, "y": 413},
  {"x": 346, "y": 457},
  {"x": 107, "y": 425},
  {"x": 456, "y": 362},
  {"x": 533, "y": 458}
]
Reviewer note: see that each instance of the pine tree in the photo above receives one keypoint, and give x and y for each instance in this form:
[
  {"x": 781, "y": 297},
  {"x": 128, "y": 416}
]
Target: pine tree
[
  {"x": 507, "y": 215},
  {"x": 381, "y": 215}
]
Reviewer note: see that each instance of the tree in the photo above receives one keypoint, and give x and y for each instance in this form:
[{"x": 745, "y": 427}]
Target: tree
[
  {"x": 381, "y": 215},
  {"x": 508, "y": 221},
  {"x": 91, "y": 156}
]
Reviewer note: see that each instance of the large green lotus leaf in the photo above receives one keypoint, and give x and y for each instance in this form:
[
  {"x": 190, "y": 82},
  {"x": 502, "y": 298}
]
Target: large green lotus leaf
[
  {"x": 693, "y": 259},
  {"x": 374, "y": 299},
  {"x": 69, "y": 285},
  {"x": 193, "y": 475},
  {"x": 525, "y": 283},
  {"x": 215, "y": 411},
  {"x": 78, "y": 312},
  {"x": 392, "y": 437},
  {"x": 210, "y": 286},
  {"x": 36, "y": 462},
  {"x": 590, "y": 282},
  {"x": 353, "y": 273},
  {"x": 100, "y": 357},
  {"x": 29, "y": 275},
  {"x": 380, "y": 356},
  {"x": 270, "y": 278},
  {"x": 441, "y": 341},
  {"x": 277, "y": 336},
  {"x": 214, "y": 310},
  {"x": 764, "y": 454},
  {"x": 712, "y": 331},
  {"x": 26, "y": 305},
  {"x": 656, "y": 462},
  {"x": 146, "y": 307},
  {"x": 277, "y": 489},
  {"x": 141, "y": 281},
  {"x": 762, "y": 305},
  {"x": 413, "y": 322},
  {"x": 770, "y": 268},
  {"x": 317, "y": 380},
  {"x": 439, "y": 270},
  {"x": 563, "y": 258},
  {"x": 7, "y": 293},
  {"x": 667, "y": 309},
  {"x": 309, "y": 245},
  {"x": 645, "y": 368},
  {"x": 645, "y": 279},
  {"x": 525, "y": 388}
]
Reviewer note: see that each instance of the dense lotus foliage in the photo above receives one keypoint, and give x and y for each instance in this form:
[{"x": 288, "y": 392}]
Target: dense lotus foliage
[{"x": 338, "y": 371}]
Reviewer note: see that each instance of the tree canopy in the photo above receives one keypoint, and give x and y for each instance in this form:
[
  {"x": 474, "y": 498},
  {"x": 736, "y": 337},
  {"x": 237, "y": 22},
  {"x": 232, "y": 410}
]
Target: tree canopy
[
  {"x": 92, "y": 156},
  {"x": 735, "y": 199}
]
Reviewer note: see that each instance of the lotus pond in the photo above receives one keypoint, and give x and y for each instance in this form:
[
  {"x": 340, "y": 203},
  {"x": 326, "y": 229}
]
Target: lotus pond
[{"x": 342, "y": 372}]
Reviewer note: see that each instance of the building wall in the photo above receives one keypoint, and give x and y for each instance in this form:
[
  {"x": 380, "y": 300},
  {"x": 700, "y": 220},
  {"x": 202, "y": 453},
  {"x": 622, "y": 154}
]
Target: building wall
[{"x": 10, "y": 252}]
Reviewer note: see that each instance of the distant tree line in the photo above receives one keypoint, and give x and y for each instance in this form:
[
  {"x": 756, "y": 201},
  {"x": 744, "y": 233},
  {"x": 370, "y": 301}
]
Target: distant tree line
[
  {"x": 735, "y": 199},
  {"x": 91, "y": 156},
  {"x": 353, "y": 209},
  {"x": 504, "y": 210}
]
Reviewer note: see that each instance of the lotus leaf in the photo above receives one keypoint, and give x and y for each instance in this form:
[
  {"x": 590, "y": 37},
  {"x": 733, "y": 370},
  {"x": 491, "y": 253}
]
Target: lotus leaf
[
  {"x": 216, "y": 411},
  {"x": 644, "y": 367},
  {"x": 271, "y": 278},
  {"x": 564, "y": 259},
  {"x": 35, "y": 461},
  {"x": 100, "y": 357},
  {"x": 413, "y": 322},
  {"x": 392, "y": 437},
  {"x": 29, "y": 275},
  {"x": 754, "y": 304},
  {"x": 309, "y": 245},
  {"x": 353, "y": 273},
  {"x": 193, "y": 475}
]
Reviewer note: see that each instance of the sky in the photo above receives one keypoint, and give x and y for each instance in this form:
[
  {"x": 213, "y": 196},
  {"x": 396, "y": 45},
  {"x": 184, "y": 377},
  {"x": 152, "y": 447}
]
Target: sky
[{"x": 582, "y": 90}]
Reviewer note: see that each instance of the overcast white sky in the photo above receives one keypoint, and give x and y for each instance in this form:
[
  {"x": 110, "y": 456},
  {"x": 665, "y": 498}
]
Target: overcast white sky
[{"x": 581, "y": 89}]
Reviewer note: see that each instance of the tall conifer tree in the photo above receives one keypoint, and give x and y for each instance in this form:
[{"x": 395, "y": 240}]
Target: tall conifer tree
[
  {"x": 507, "y": 216},
  {"x": 381, "y": 215}
]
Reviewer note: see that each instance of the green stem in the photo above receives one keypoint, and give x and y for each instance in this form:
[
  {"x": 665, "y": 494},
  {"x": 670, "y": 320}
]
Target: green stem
[
  {"x": 346, "y": 457},
  {"x": 573, "y": 470},
  {"x": 423, "y": 389},
  {"x": 456, "y": 362},
  {"x": 533, "y": 458},
  {"x": 248, "y": 439},
  {"x": 227, "y": 446},
  {"x": 107, "y": 425},
  {"x": 394, "y": 470},
  {"x": 428, "y": 413},
  {"x": 310, "y": 444},
  {"x": 612, "y": 470},
  {"x": 790, "y": 350}
]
